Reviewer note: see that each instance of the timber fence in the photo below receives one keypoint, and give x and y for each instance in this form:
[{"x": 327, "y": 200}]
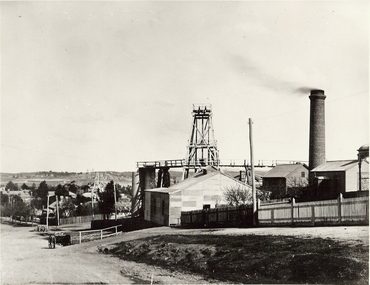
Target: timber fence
[
  {"x": 218, "y": 217},
  {"x": 79, "y": 219},
  {"x": 326, "y": 212},
  {"x": 341, "y": 211}
]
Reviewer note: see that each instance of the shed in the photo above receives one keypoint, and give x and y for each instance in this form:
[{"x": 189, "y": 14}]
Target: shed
[
  {"x": 283, "y": 176},
  {"x": 334, "y": 177},
  {"x": 206, "y": 189}
]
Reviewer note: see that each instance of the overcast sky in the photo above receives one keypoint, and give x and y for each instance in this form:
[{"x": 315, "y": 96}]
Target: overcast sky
[{"x": 102, "y": 85}]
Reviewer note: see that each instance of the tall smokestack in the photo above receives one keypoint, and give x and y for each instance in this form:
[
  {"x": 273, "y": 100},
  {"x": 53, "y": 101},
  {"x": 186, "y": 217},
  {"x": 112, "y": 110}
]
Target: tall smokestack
[{"x": 317, "y": 129}]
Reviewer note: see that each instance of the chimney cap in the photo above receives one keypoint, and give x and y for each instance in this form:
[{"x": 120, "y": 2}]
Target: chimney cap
[{"x": 317, "y": 93}]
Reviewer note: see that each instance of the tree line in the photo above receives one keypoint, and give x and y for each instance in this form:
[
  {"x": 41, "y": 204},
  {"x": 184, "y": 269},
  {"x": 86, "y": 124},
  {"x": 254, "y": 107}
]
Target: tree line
[{"x": 104, "y": 202}]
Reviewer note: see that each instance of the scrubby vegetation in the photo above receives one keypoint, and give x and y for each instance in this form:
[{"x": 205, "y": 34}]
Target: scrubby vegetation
[{"x": 252, "y": 259}]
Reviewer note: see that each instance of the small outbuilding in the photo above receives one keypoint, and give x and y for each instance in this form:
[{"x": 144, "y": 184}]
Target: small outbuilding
[
  {"x": 283, "y": 176},
  {"x": 204, "y": 190},
  {"x": 334, "y": 177}
]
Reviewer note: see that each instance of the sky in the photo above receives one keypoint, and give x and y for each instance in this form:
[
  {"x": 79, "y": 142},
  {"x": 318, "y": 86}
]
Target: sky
[{"x": 102, "y": 85}]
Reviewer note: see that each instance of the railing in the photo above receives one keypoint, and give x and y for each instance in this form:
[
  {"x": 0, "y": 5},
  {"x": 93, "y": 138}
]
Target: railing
[
  {"x": 220, "y": 163},
  {"x": 161, "y": 163},
  {"x": 98, "y": 234}
]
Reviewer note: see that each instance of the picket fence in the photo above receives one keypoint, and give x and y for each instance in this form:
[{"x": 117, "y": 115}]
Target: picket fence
[
  {"x": 326, "y": 212},
  {"x": 79, "y": 219},
  {"x": 284, "y": 213}
]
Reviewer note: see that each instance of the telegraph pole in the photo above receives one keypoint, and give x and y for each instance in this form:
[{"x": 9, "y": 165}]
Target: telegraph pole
[
  {"x": 115, "y": 199},
  {"x": 252, "y": 174},
  {"x": 47, "y": 213},
  {"x": 56, "y": 196}
]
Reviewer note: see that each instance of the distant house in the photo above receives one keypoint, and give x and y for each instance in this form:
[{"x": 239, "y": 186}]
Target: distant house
[
  {"x": 163, "y": 206},
  {"x": 283, "y": 176},
  {"x": 334, "y": 177}
]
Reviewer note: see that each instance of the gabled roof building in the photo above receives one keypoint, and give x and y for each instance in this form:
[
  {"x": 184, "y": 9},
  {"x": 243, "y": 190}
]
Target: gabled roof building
[
  {"x": 283, "y": 176},
  {"x": 334, "y": 177},
  {"x": 206, "y": 189}
]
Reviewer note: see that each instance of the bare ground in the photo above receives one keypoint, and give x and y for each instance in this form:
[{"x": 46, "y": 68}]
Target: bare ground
[{"x": 191, "y": 256}]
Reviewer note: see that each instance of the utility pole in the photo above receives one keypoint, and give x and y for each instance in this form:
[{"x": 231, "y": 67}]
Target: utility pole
[
  {"x": 252, "y": 174},
  {"x": 115, "y": 199},
  {"x": 47, "y": 213},
  {"x": 56, "y": 196}
]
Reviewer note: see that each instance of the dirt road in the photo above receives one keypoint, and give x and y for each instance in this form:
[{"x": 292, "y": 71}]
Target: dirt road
[{"x": 26, "y": 258}]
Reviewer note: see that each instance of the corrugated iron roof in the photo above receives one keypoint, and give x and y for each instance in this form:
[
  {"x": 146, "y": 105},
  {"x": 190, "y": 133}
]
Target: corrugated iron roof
[
  {"x": 163, "y": 190},
  {"x": 282, "y": 170},
  {"x": 339, "y": 165},
  {"x": 195, "y": 179}
]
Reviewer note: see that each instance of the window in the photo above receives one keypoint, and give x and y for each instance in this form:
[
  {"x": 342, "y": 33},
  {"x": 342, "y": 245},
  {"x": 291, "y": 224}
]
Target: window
[{"x": 303, "y": 174}]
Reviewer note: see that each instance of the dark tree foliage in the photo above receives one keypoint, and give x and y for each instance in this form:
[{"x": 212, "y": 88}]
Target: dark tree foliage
[
  {"x": 72, "y": 187},
  {"x": 83, "y": 210},
  {"x": 37, "y": 203},
  {"x": 61, "y": 190},
  {"x": 41, "y": 192},
  {"x": 17, "y": 208},
  {"x": 4, "y": 199},
  {"x": 106, "y": 200},
  {"x": 24, "y": 186},
  {"x": 85, "y": 188},
  {"x": 11, "y": 186}
]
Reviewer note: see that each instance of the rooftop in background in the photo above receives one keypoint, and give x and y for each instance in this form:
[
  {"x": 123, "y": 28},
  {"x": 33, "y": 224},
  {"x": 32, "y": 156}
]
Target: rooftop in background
[
  {"x": 283, "y": 170},
  {"x": 339, "y": 165}
]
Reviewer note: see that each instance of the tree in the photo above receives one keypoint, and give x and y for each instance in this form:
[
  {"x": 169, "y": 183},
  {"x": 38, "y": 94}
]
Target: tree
[
  {"x": 19, "y": 208},
  {"x": 238, "y": 195},
  {"x": 4, "y": 199},
  {"x": 61, "y": 190},
  {"x": 106, "y": 200},
  {"x": 11, "y": 186},
  {"x": 24, "y": 186},
  {"x": 72, "y": 187},
  {"x": 67, "y": 208},
  {"x": 41, "y": 192},
  {"x": 37, "y": 203}
]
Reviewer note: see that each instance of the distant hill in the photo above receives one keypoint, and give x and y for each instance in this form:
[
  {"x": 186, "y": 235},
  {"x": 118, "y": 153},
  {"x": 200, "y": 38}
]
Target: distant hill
[{"x": 55, "y": 178}]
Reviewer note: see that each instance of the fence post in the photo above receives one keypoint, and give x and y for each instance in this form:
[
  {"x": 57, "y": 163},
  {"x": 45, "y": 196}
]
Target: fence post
[
  {"x": 313, "y": 214},
  {"x": 80, "y": 237},
  {"x": 116, "y": 229},
  {"x": 340, "y": 200},
  {"x": 272, "y": 216},
  {"x": 101, "y": 234},
  {"x": 367, "y": 211},
  {"x": 292, "y": 211}
]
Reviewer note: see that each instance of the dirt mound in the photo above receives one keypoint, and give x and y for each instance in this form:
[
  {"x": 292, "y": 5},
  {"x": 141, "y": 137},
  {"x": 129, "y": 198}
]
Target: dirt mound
[{"x": 251, "y": 259}]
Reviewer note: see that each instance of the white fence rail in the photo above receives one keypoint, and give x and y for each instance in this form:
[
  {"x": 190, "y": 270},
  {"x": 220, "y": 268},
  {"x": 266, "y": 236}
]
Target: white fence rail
[
  {"x": 349, "y": 210},
  {"x": 90, "y": 235}
]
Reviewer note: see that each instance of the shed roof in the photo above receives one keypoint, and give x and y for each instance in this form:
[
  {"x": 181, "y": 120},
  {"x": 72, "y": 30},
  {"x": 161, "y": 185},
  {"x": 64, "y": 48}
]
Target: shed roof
[
  {"x": 283, "y": 170},
  {"x": 195, "y": 179},
  {"x": 338, "y": 165}
]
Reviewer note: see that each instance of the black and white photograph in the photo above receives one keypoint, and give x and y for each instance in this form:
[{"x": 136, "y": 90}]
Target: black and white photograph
[{"x": 184, "y": 142}]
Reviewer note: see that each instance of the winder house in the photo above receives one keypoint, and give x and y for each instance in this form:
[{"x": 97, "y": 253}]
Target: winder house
[{"x": 204, "y": 190}]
